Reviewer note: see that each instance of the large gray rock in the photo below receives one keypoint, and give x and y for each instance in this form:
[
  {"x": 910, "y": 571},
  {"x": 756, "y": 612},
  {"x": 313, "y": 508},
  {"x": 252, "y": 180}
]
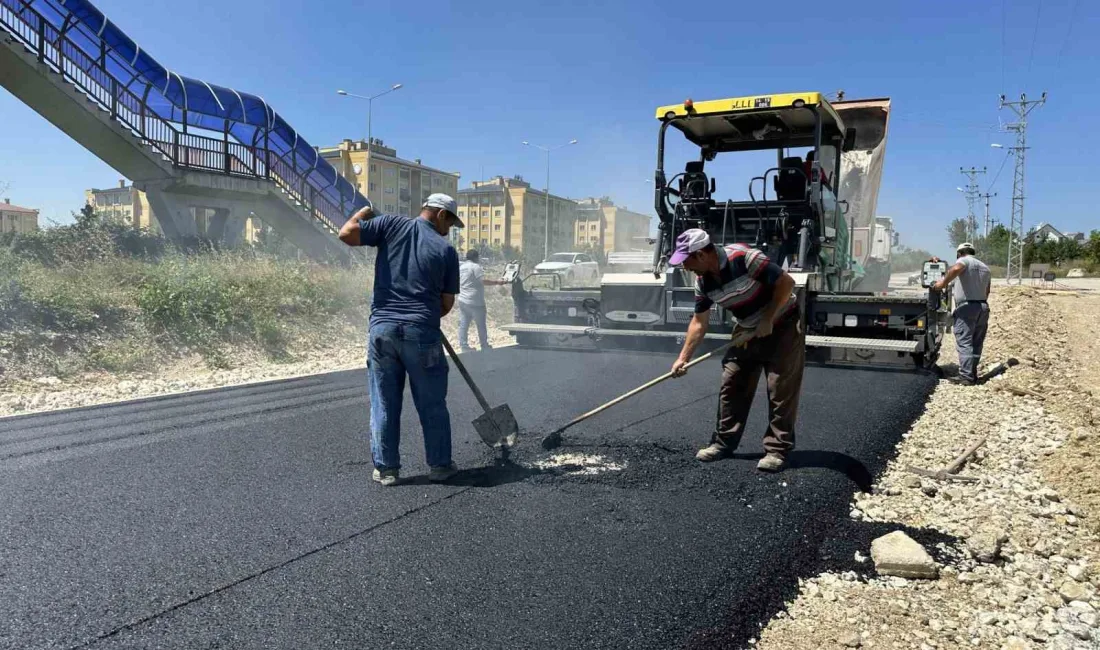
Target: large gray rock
[
  {"x": 897, "y": 554},
  {"x": 985, "y": 544}
]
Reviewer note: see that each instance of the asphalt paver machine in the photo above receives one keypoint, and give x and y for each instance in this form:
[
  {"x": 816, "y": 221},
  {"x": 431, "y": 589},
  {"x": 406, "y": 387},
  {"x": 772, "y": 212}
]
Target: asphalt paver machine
[{"x": 800, "y": 211}]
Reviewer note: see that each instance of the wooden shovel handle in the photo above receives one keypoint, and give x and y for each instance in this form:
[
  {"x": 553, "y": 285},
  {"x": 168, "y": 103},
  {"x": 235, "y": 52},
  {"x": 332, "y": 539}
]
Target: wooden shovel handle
[{"x": 465, "y": 375}]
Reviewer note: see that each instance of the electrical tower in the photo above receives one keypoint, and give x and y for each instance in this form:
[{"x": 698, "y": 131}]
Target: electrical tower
[
  {"x": 988, "y": 223},
  {"x": 1022, "y": 108},
  {"x": 973, "y": 193}
]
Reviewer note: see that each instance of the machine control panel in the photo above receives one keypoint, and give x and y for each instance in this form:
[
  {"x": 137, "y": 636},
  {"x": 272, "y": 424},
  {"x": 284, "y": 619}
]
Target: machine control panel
[
  {"x": 932, "y": 273},
  {"x": 511, "y": 270}
]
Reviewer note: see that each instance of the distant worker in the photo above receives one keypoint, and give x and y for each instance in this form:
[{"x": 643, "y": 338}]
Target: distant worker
[
  {"x": 471, "y": 301},
  {"x": 415, "y": 284},
  {"x": 971, "y": 313},
  {"x": 760, "y": 297}
]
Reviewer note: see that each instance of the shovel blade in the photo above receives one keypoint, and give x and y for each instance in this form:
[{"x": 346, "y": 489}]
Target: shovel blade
[{"x": 498, "y": 427}]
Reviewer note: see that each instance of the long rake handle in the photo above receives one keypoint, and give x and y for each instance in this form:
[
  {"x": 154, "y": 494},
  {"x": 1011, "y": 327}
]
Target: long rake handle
[
  {"x": 466, "y": 375},
  {"x": 644, "y": 387}
]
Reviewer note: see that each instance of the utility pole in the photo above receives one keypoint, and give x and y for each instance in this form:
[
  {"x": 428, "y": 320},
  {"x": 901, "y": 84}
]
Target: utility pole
[
  {"x": 972, "y": 193},
  {"x": 987, "y": 196},
  {"x": 1022, "y": 108}
]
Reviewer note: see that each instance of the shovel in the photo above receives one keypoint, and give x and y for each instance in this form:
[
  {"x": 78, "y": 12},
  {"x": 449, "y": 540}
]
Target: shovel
[
  {"x": 554, "y": 440},
  {"x": 497, "y": 426}
]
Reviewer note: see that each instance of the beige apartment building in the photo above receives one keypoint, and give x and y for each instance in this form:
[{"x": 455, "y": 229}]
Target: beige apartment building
[
  {"x": 394, "y": 185},
  {"x": 125, "y": 204},
  {"x": 14, "y": 218},
  {"x": 503, "y": 212},
  {"x": 608, "y": 227}
]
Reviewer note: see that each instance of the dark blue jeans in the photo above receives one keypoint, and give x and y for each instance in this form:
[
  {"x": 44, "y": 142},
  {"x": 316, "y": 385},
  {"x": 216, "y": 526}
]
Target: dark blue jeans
[
  {"x": 394, "y": 351},
  {"x": 971, "y": 323}
]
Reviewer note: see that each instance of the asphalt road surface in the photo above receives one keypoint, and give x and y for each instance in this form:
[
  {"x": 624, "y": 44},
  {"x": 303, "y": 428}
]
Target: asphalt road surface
[{"x": 245, "y": 517}]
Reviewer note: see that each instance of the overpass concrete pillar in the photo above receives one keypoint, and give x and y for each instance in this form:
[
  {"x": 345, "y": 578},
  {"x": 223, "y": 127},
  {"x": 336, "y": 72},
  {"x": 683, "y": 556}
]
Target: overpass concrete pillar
[
  {"x": 227, "y": 225},
  {"x": 173, "y": 213}
]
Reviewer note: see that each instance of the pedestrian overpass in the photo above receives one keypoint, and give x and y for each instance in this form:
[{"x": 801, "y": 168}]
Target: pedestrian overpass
[{"x": 184, "y": 142}]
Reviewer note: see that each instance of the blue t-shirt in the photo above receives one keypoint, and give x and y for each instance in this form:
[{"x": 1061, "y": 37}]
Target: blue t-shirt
[{"x": 415, "y": 266}]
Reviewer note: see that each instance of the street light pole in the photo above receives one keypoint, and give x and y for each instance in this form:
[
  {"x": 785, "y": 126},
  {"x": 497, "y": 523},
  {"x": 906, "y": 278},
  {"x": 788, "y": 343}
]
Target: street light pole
[
  {"x": 370, "y": 113},
  {"x": 546, "y": 241}
]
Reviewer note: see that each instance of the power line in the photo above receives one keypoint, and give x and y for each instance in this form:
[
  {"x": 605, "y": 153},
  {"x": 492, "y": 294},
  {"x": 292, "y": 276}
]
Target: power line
[
  {"x": 1069, "y": 30},
  {"x": 1003, "y": 30},
  {"x": 1034, "y": 37},
  {"x": 998, "y": 174}
]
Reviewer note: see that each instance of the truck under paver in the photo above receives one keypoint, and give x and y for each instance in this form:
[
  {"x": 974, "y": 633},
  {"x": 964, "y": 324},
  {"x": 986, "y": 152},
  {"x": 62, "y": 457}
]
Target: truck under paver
[{"x": 245, "y": 517}]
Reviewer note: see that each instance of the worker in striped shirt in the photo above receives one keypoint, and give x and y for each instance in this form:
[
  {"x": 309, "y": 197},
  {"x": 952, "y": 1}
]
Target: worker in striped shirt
[{"x": 759, "y": 296}]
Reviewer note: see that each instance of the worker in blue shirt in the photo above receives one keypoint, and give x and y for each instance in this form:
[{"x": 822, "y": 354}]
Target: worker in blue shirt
[{"x": 415, "y": 284}]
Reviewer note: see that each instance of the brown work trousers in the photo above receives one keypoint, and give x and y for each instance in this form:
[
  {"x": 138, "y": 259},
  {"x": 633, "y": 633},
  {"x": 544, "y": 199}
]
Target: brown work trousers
[{"x": 782, "y": 357}]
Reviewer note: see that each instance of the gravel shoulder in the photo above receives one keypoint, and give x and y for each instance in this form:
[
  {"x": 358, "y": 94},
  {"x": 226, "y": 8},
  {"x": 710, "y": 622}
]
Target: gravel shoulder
[
  {"x": 346, "y": 350},
  {"x": 1024, "y": 571}
]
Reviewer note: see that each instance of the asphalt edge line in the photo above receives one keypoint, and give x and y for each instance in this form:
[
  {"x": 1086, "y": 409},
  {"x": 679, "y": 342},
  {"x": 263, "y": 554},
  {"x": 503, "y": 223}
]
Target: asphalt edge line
[
  {"x": 163, "y": 396},
  {"x": 129, "y": 400},
  {"x": 262, "y": 572}
]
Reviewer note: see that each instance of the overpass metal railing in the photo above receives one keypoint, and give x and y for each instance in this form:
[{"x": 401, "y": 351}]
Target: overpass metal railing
[{"x": 223, "y": 155}]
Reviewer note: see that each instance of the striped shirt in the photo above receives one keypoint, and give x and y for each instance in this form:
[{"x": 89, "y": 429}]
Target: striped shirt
[{"x": 744, "y": 285}]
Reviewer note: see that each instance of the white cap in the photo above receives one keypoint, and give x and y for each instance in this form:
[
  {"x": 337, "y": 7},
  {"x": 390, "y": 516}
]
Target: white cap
[
  {"x": 444, "y": 202},
  {"x": 964, "y": 245},
  {"x": 688, "y": 242}
]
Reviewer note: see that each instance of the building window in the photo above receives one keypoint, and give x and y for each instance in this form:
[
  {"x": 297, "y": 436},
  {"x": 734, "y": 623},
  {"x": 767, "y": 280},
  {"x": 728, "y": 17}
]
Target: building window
[
  {"x": 390, "y": 172},
  {"x": 374, "y": 187},
  {"x": 389, "y": 190},
  {"x": 497, "y": 241},
  {"x": 374, "y": 168},
  {"x": 437, "y": 181},
  {"x": 496, "y": 227},
  {"x": 485, "y": 226},
  {"x": 595, "y": 226},
  {"x": 496, "y": 213},
  {"x": 389, "y": 207}
]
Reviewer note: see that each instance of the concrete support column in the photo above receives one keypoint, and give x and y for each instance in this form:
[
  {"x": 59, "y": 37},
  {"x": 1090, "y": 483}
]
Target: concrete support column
[
  {"x": 233, "y": 233},
  {"x": 172, "y": 212}
]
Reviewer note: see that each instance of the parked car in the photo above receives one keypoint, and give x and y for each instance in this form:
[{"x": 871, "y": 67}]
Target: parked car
[{"x": 573, "y": 268}]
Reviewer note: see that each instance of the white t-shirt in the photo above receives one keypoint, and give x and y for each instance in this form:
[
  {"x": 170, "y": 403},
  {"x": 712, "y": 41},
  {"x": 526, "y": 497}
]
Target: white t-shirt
[
  {"x": 972, "y": 282},
  {"x": 471, "y": 285}
]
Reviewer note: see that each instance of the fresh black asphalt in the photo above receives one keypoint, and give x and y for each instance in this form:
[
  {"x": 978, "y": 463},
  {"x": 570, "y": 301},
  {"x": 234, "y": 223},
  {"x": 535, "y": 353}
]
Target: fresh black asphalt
[{"x": 245, "y": 517}]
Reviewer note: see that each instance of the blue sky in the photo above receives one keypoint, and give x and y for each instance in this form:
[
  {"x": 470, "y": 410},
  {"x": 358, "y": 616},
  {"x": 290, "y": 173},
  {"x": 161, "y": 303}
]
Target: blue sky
[{"x": 481, "y": 77}]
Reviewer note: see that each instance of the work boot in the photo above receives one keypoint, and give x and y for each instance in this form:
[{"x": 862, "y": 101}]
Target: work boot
[
  {"x": 386, "y": 477},
  {"x": 442, "y": 474},
  {"x": 961, "y": 381},
  {"x": 772, "y": 462},
  {"x": 712, "y": 452}
]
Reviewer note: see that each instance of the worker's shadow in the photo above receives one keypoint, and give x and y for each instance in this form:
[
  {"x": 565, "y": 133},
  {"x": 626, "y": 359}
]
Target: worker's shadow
[
  {"x": 499, "y": 473},
  {"x": 844, "y": 464}
]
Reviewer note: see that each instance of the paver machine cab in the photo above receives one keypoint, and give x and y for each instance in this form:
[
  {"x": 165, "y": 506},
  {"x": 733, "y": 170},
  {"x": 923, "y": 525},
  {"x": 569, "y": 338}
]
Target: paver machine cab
[{"x": 793, "y": 214}]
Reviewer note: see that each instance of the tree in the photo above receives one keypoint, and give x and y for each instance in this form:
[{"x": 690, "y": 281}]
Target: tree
[
  {"x": 908, "y": 259},
  {"x": 957, "y": 232},
  {"x": 994, "y": 249},
  {"x": 1092, "y": 247},
  {"x": 1067, "y": 250},
  {"x": 87, "y": 216}
]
